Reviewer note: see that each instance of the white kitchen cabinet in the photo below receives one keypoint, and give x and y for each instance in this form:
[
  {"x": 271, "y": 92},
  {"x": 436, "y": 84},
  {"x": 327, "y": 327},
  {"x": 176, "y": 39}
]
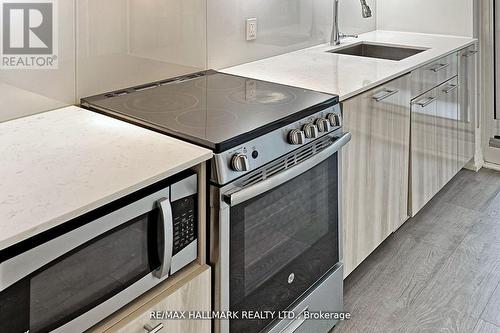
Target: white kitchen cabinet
[
  {"x": 424, "y": 161},
  {"x": 432, "y": 75},
  {"x": 434, "y": 142},
  {"x": 467, "y": 104},
  {"x": 447, "y": 131},
  {"x": 375, "y": 168}
]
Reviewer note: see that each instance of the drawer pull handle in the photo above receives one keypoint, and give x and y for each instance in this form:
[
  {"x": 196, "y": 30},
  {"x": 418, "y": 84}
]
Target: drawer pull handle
[
  {"x": 425, "y": 102},
  {"x": 439, "y": 67},
  {"x": 451, "y": 88},
  {"x": 296, "y": 323},
  {"x": 155, "y": 329},
  {"x": 380, "y": 96},
  {"x": 470, "y": 53}
]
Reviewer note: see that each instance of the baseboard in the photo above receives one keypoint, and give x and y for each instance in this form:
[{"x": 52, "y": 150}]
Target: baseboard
[
  {"x": 491, "y": 166},
  {"x": 475, "y": 165}
]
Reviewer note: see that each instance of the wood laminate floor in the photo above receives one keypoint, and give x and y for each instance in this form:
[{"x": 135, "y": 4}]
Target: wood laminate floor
[{"x": 440, "y": 272}]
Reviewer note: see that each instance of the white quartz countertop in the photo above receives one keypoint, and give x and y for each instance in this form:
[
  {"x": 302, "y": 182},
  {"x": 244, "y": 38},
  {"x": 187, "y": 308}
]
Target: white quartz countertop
[
  {"x": 314, "y": 68},
  {"x": 61, "y": 164}
]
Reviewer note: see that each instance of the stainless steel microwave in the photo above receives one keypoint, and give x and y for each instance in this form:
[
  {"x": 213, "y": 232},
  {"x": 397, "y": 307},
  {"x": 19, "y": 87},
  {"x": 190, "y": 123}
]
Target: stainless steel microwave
[{"x": 73, "y": 276}]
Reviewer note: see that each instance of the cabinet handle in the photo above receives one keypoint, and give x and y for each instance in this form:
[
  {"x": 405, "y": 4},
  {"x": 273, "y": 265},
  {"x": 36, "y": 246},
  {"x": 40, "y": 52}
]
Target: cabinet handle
[
  {"x": 380, "y": 96},
  {"x": 439, "y": 67},
  {"x": 424, "y": 102},
  {"x": 451, "y": 88},
  {"x": 470, "y": 53},
  {"x": 155, "y": 329},
  {"x": 296, "y": 323}
]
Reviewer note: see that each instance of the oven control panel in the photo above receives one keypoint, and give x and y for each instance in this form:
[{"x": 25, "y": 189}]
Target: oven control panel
[
  {"x": 315, "y": 129},
  {"x": 246, "y": 158}
]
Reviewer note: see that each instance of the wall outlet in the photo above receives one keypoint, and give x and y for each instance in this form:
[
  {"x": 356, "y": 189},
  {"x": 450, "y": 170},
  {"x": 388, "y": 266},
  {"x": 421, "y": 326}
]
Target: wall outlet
[{"x": 252, "y": 28}]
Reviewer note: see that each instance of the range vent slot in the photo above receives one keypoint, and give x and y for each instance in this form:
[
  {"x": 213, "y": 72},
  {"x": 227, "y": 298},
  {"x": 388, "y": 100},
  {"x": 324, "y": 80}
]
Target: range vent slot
[
  {"x": 286, "y": 163},
  {"x": 274, "y": 169},
  {"x": 254, "y": 179},
  {"x": 323, "y": 145},
  {"x": 142, "y": 88},
  {"x": 304, "y": 155},
  {"x": 290, "y": 161}
]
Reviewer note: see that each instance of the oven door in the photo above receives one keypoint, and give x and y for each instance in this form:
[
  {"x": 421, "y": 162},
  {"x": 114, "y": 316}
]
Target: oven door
[
  {"x": 73, "y": 281},
  {"x": 283, "y": 234}
]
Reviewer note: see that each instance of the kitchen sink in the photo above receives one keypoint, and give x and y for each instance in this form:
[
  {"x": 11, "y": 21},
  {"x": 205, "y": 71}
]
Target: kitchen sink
[{"x": 378, "y": 51}]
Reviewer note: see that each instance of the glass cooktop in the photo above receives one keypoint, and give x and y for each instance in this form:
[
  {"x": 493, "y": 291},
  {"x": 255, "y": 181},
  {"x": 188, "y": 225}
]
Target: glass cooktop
[{"x": 212, "y": 109}]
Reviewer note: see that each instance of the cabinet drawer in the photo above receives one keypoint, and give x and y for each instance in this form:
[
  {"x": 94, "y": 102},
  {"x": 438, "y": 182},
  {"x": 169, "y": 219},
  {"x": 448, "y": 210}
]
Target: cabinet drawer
[
  {"x": 468, "y": 52},
  {"x": 191, "y": 291},
  {"x": 432, "y": 75}
]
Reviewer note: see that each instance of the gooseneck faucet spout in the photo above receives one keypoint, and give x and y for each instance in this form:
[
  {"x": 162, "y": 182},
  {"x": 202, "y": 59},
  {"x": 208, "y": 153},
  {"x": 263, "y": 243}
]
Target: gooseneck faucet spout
[
  {"x": 365, "y": 9},
  {"x": 366, "y": 12}
]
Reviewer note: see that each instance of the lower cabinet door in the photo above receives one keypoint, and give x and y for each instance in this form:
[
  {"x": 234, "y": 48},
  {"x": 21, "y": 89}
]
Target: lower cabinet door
[
  {"x": 467, "y": 105},
  {"x": 424, "y": 154},
  {"x": 447, "y": 131},
  {"x": 193, "y": 295},
  {"x": 375, "y": 168},
  {"x": 434, "y": 142}
]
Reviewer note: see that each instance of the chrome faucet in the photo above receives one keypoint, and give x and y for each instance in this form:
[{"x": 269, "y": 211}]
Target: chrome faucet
[{"x": 366, "y": 12}]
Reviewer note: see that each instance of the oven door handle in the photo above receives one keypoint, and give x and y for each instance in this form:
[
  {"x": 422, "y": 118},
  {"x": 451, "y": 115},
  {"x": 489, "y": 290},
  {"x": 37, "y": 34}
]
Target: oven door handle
[
  {"x": 253, "y": 191},
  {"x": 167, "y": 235}
]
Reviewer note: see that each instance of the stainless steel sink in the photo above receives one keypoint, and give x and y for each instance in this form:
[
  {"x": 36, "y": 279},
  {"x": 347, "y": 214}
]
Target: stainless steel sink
[{"x": 378, "y": 51}]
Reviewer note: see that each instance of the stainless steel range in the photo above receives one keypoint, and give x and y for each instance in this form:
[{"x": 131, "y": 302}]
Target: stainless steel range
[{"x": 275, "y": 190}]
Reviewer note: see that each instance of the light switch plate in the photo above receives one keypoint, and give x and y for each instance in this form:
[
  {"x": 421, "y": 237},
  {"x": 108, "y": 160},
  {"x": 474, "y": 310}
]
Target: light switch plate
[{"x": 252, "y": 28}]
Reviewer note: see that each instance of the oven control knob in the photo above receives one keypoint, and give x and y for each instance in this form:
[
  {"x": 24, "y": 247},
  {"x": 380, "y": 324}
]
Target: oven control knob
[
  {"x": 335, "y": 120},
  {"x": 296, "y": 137},
  {"x": 311, "y": 131},
  {"x": 323, "y": 125},
  {"x": 240, "y": 163}
]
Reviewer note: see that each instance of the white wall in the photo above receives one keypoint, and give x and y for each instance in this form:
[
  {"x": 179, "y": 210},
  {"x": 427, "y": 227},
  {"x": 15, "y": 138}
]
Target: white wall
[
  {"x": 449, "y": 17},
  {"x": 119, "y": 43},
  {"x": 26, "y": 92},
  {"x": 122, "y": 43},
  {"x": 351, "y": 20},
  {"x": 283, "y": 26}
]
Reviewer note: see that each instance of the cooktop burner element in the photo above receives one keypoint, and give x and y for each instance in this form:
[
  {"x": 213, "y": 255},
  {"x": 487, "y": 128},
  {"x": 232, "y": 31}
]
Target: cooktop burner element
[
  {"x": 263, "y": 97},
  {"x": 166, "y": 103},
  {"x": 215, "y": 110},
  {"x": 209, "y": 119}
]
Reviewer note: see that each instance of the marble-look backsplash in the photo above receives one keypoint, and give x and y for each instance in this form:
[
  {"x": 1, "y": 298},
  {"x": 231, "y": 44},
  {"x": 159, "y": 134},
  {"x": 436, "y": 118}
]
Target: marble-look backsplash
[
  {"x": 283, "y": 26},
  {"x": 120, "y": 43}
]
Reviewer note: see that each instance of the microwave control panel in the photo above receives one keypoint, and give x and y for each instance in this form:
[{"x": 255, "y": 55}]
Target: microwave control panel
[{"x": 185, "y": 222}]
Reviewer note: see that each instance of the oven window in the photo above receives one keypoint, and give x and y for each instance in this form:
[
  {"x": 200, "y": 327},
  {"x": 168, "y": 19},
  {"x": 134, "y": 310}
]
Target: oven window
[
  {"x": 90, "y": 274},
  {"x": 283, "y": 242}
]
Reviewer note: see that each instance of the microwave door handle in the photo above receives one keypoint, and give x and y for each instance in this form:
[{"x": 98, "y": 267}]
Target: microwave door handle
[
  {"x": 167, "y": 233},
  {"x": 281, "y": 178}
]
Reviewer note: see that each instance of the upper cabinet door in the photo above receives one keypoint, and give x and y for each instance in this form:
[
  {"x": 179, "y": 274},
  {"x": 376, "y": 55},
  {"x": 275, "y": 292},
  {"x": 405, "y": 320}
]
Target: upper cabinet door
[{"x": 122, "y": 43}]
